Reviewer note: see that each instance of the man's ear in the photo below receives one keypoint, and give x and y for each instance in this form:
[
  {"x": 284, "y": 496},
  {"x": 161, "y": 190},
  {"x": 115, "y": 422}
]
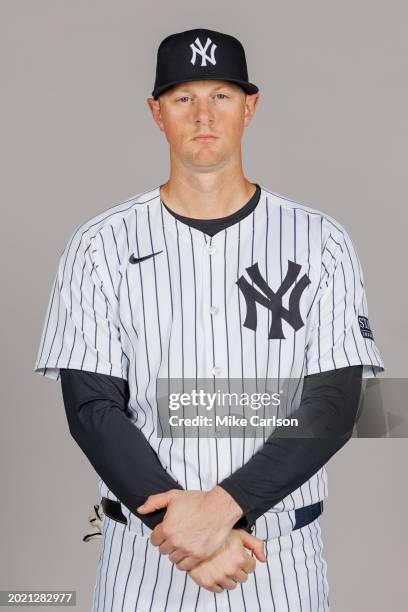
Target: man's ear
[
  {"x": 155, "y": 109},
  {"x": 250, "y": 105}
]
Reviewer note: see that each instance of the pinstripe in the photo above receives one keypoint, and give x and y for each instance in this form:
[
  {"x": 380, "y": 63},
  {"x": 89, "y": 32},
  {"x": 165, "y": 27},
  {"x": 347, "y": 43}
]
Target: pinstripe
[
  {"x": 240, "y": 332},
  {"x": 307, "y": 572},
  {"x": 183, "y": 592},
  {"x": 144, "y": 327},
  {"x": 155, "y": 583},
  {"x": 117, "y": 565},
  {"x": 303, "y": 364},
  {"x": 107, "y": 566},
  {"x": 170, "y": 584},
  {"x": 322, "y": 564},
  {"x": 181, "y": 337},
  {"x": 281, "y": 278},
  {"x": 292, "y": 543},
  {"x": 48, "y": 323},
  {"x": 226, "y": 334},
  {"x": 157, "y": 305},
  {"x": 171, "y": 320},
  {"x": 126, "y": 590},
  {"x": 133, "y": 328},
  {"x": 143, "y": 574},
  {"x": 315, "y": 549},
  {"x": 319, "y": 566},
  {"x": 255, "y": 357},
  {"x": 213, "y": 355},
  {"x": 256, "y": 590},
  {"x": 107, "y": 264},
  {"x": 283, "y": 574},
  {"x": 241, "y": 586},
  {"x": 99, "y": 571},
  {"x": 281, "y": 242},
  {"x": 181, "y": 300},
  {"x": 333, "y": 321},
  {"x": 294, "y": 335},
  {"x": 195, "y": 351},
  {"x": 106, "y": 260},
  {"x": 253, "y": 575},
  {"x": 268, "y": 568},
  {"x": 63, "y": 335},
  {"x": 344, "y": 312},
  {"x": 269, "y": 312}
]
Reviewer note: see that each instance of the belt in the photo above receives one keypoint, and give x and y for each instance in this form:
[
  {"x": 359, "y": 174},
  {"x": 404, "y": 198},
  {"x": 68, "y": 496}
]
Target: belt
[
  {"x": 303, "y": 516},
  {"x": 307, "y": 514}
]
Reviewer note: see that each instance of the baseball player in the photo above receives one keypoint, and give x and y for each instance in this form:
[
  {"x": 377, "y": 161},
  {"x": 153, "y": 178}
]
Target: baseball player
[{"x": 208, "y": 276}]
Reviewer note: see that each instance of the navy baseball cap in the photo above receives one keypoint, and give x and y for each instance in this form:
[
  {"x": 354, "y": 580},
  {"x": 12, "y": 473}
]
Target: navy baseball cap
[{"x": 200, "y": 54}]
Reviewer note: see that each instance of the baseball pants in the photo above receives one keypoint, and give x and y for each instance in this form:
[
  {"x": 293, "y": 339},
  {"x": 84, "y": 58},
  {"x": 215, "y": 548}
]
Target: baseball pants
[{"x": 133, "y": 576}]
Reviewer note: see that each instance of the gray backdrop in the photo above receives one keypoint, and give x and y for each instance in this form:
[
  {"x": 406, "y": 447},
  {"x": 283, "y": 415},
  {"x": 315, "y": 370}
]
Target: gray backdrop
[{"x": 330, "y": 131}]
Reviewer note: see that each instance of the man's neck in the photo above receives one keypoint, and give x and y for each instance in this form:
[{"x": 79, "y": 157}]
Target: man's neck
[{"x": 206, "y": 196}]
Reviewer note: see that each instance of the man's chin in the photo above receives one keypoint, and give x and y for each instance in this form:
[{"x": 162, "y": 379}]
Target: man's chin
[{"x": 206, "y": 163}]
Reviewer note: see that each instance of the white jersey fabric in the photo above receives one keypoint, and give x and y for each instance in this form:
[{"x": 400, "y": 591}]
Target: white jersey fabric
[{"x": 181, "y": 314}]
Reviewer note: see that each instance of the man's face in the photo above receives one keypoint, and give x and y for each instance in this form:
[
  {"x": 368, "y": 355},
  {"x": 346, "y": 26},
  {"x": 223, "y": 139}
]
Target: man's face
[{"x": 216, "y": 108}]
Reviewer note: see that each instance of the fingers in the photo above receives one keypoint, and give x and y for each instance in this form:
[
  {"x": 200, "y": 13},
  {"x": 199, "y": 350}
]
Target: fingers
[
  {"x": 255, "y": 544},
  {"x": 157, "y": 501},
  {"x": 227, "y": 583},
  {"x": 218, "y": 585},
  {"x": 240, "y": 575},
  {"x": 167, "y": 549},
  {"x": 157, "y": 537},
  {"x": 230, "y": 566},
  {"x": 217, "y": 581},
  {"x": 176, "y": 556},
  {"x": 248, "y": 565},
  {"x": 188, "y": 563},
  {"x": 215, "y": 588}
]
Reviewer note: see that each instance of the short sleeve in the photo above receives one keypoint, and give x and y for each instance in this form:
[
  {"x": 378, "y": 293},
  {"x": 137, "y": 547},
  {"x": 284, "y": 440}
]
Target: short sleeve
[
  {"x": 340, "y": 333},
  {"x": 80, "y": 330}
]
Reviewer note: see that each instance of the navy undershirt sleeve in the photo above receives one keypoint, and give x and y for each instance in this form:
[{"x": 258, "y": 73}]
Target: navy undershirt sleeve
[
  {"x": 98, "y": 419},
  {"x": 96, "y": 406},
  {"x": 326, "y": 417}
]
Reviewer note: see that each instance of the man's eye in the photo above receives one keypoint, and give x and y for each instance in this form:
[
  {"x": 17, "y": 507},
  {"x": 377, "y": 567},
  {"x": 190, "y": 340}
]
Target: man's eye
[{"x": 183, "y": 98}]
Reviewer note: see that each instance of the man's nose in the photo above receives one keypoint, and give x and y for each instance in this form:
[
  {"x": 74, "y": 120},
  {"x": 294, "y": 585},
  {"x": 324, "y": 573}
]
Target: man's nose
[{"x": 203, "y": 112}]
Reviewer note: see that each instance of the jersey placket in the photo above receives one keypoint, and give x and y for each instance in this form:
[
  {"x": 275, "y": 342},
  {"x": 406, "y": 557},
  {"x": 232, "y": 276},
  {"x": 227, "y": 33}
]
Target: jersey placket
[{"x": 214, "y": 350}]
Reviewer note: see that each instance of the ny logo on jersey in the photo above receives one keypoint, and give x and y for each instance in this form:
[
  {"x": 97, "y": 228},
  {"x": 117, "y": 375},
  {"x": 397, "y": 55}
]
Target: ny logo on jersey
[
  {"x": 198, "y": 48},
  {"x": 273, "y": 301}
]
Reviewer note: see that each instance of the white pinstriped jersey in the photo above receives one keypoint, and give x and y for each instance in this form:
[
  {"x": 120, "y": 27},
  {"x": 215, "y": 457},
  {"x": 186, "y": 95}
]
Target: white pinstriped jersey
[{"x": 181, "y": 314}]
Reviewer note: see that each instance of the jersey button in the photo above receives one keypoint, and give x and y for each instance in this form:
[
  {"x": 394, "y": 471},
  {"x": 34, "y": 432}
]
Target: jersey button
[
  {"x": 216, "y": 370},
  {"x": 211, "y": 249},
  {"x": 213, "y": 310}
]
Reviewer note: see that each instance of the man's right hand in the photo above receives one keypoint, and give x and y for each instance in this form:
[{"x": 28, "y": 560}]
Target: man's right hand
[{"x": 231, "y": 563}]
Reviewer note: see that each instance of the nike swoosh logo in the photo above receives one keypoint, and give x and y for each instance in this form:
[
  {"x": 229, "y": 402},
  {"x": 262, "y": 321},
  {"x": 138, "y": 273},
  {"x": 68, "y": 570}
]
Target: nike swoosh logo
[{"x": 134, "y": 260}]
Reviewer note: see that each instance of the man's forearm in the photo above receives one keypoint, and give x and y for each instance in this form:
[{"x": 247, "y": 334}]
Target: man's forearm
[
  {"x": 119, "y": 452},
  {"x": 327, "y": 409}
]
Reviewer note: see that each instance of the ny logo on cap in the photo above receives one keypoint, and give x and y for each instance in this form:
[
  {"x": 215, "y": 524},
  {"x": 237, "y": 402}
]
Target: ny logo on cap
[
  {"x": 197, "y": 47},
  {"x": 273, "y": 301}
]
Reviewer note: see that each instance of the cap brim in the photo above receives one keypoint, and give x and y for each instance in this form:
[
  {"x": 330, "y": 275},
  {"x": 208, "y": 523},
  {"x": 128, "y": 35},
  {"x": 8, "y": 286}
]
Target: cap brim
[{"x": 250, "y": 88}]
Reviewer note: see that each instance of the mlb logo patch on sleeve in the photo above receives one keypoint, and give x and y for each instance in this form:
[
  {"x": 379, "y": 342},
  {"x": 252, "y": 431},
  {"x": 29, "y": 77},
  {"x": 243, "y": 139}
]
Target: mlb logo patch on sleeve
[{"x": 365, "y": 328}]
